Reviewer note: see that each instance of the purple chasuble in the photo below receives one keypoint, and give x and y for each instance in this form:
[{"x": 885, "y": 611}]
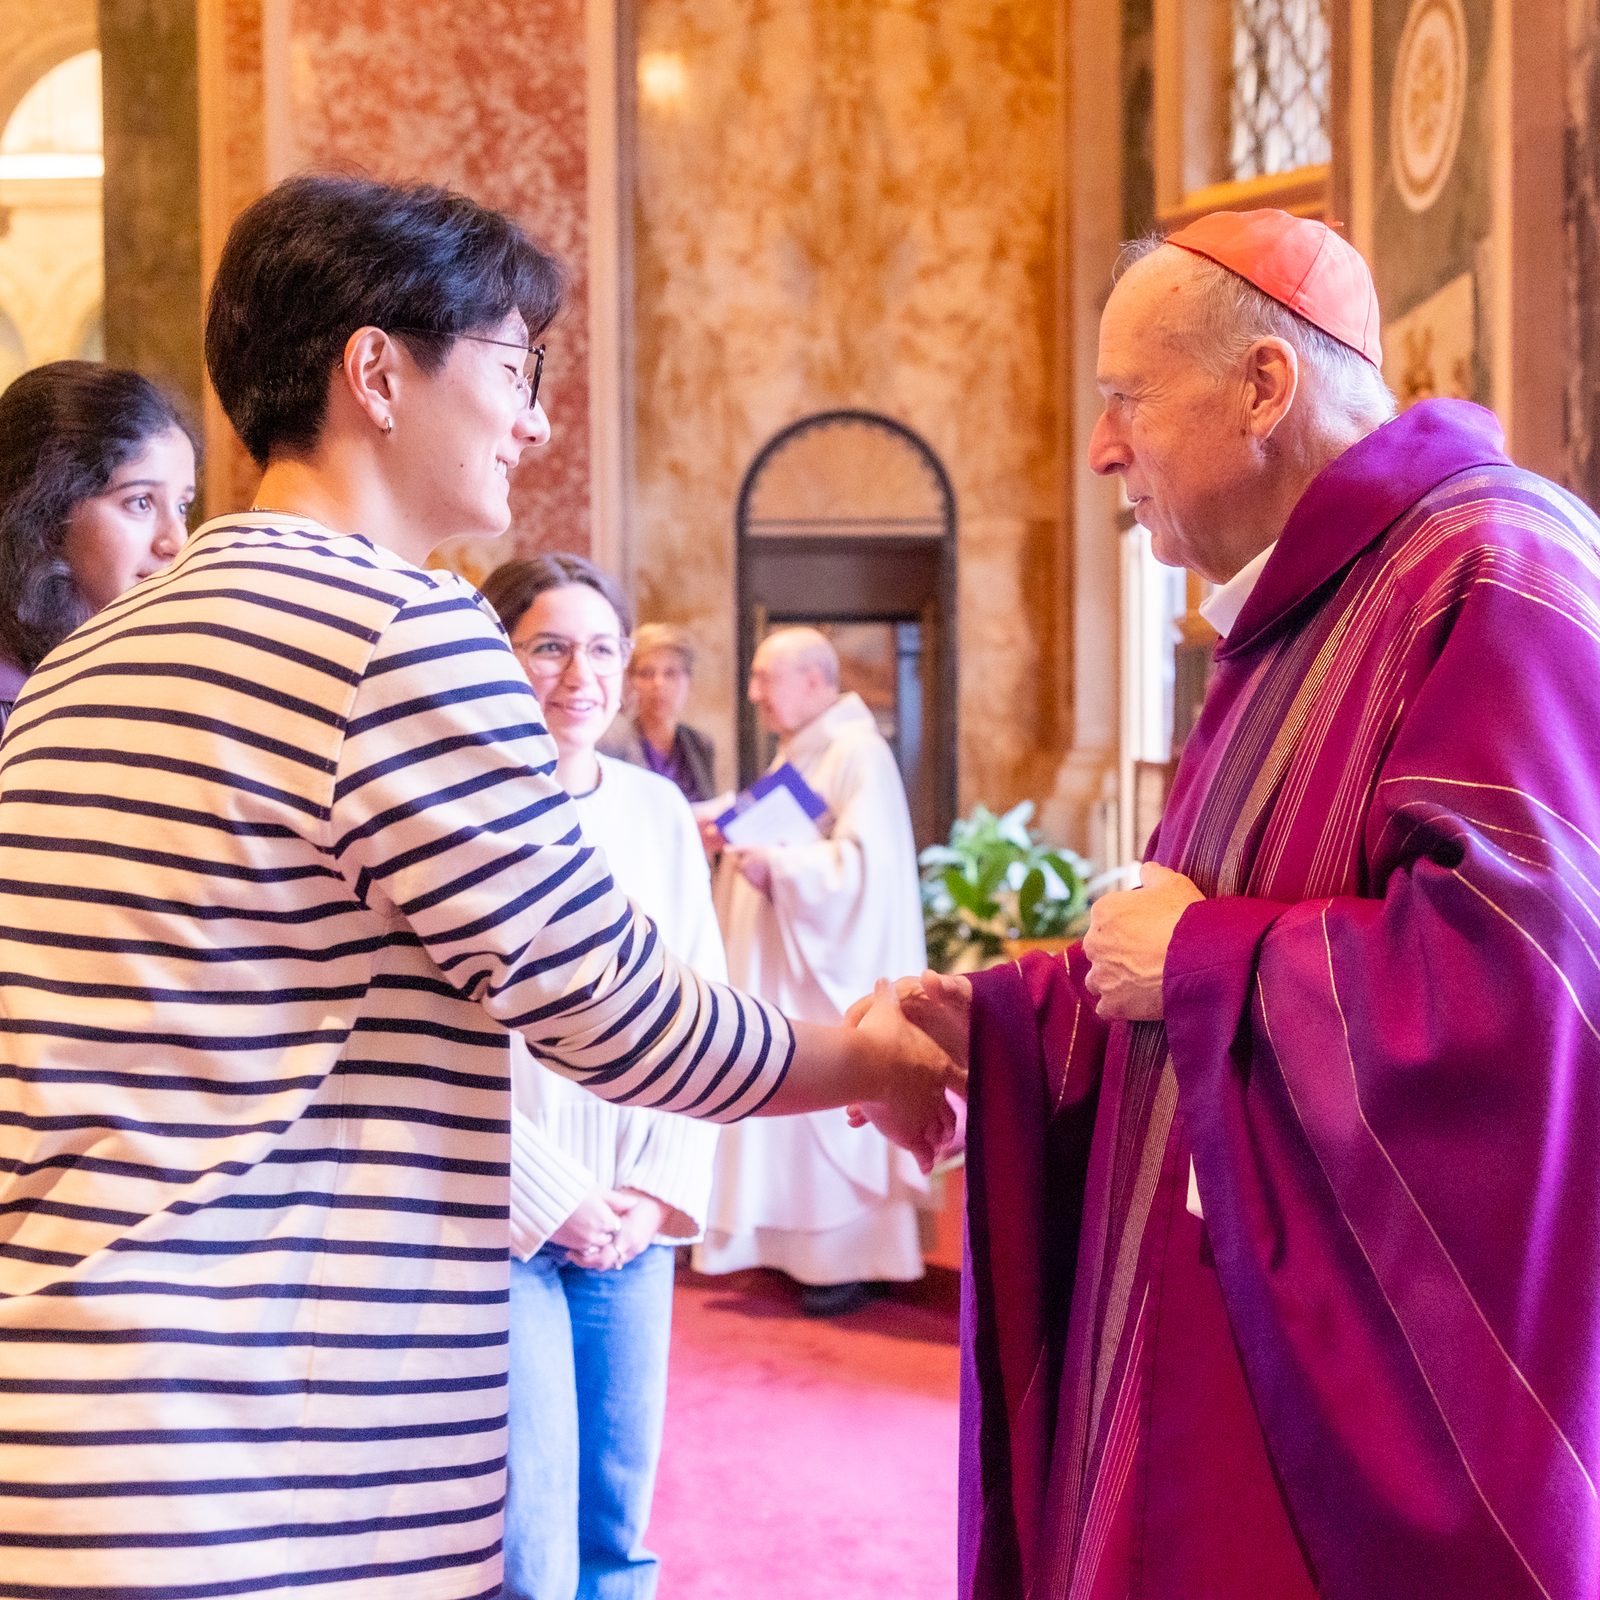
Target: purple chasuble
[{"x": 1371, "y": 1372}]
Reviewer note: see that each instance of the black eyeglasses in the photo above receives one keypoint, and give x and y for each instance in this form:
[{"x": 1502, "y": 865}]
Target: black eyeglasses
[{"x": 527, "y": 376}]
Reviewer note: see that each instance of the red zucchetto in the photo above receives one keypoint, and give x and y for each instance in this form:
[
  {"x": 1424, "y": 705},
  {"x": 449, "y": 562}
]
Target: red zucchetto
[{"x": 1300, "y": 263}]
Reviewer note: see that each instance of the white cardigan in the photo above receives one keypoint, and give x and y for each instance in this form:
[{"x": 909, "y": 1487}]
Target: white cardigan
[{"x": 564, "y": 1141}]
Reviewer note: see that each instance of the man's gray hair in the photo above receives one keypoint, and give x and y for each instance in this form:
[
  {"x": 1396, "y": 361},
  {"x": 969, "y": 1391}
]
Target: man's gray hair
[{"x": 1231, "y": 314}]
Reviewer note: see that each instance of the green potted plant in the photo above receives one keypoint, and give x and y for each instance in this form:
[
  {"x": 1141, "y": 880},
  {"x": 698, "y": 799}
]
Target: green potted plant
[{"x": 995, "y": 886}]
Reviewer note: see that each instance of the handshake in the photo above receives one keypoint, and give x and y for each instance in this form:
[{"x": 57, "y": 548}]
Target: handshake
[
  {"x": 915, "y": 1034},
  {"x": 919, "y": 1026}
]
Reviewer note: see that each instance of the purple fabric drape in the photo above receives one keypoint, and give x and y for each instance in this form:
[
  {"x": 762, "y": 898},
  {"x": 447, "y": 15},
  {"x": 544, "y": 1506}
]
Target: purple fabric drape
[
  {"x": 1034, "y": 1086},
  {"x": 1384, "y": 1027}
]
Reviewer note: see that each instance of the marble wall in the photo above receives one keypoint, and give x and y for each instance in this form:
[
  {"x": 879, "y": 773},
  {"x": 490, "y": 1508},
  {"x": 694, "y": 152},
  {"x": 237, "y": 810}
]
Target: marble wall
[
  {"x": 855, "y": 203},
  {"x": 235, "y": 167},
  {"x": 1138, "y": 118},
  {"x": 490, "y": 98}
]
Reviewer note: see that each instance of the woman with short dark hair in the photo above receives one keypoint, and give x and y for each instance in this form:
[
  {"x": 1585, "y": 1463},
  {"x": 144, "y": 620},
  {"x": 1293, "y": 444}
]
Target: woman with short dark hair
[
  {"x": 97, "y": 474},
  {"x": 284, "y": 865}
]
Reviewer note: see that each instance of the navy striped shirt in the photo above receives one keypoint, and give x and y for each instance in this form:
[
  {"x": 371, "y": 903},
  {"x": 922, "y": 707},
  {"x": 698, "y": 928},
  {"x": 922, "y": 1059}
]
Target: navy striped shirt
[{"x": 282, "y": 859}]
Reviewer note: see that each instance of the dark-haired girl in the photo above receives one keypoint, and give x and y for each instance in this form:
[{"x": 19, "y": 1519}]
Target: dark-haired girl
[{"x": 97, "y": 471}]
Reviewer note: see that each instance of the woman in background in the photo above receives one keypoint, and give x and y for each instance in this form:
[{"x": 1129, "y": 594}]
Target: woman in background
[
  {"x": 97, "y": 474},
  {"x": 590, "y": 1322},
  {"x": 652, "y": 734}
]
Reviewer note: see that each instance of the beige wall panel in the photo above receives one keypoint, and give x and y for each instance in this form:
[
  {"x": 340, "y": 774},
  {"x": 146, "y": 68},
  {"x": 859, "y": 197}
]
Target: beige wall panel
[{"x": 849, "y": 203}]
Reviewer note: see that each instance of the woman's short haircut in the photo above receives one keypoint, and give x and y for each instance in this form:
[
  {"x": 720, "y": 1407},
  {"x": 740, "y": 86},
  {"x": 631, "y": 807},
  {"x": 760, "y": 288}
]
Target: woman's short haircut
[
  {"x": 514, "y": 586},
  {"x": 652, "y": 636},
  {"x": 319, "y": 256},
  {"x": 65, "y": 429}
]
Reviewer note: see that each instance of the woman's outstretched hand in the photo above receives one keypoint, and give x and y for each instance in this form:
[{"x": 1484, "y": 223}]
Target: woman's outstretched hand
[
  {"x": 916, "y": 1109},
  {"x": 940, "y": 1004}
]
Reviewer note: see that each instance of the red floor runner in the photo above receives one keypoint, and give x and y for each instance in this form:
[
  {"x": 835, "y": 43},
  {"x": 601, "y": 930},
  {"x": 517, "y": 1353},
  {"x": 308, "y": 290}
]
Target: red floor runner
[{"x": 808, "y": 1460}]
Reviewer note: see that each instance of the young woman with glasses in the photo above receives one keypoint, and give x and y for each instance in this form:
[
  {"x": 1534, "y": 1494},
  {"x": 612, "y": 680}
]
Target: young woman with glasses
[
  {"x": 600, "y": 1193},
  {"x": 283, "y": 865}
]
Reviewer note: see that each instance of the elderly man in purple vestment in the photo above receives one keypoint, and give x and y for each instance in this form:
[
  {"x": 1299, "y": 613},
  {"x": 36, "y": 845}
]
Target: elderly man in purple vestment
[{"x": 1285, "y": 1184}]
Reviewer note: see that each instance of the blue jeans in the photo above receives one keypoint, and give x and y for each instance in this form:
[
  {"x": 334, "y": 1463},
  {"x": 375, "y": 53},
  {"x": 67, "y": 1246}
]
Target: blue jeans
[{"x": 588, "y": 1396}]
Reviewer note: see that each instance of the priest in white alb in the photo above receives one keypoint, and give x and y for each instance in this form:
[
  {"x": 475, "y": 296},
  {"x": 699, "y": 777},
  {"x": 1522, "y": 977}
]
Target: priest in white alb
[{"x": 810, "y": 927}]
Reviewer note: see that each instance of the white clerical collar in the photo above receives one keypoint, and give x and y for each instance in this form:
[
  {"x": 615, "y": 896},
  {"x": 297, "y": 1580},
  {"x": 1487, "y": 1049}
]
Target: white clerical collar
[{"x": 1222, "y": 606}]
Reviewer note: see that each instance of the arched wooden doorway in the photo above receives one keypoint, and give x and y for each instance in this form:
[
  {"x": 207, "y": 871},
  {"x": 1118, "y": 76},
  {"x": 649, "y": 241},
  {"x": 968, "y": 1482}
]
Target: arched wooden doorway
[{"x": 847, "y": 522}]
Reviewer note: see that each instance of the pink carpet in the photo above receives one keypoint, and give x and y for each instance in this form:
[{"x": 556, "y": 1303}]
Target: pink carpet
[{"x": 808, "y": 1460}]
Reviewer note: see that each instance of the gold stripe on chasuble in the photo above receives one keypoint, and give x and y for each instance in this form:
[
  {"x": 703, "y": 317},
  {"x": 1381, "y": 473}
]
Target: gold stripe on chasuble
[
  {"x": 1348, "y": 624},
  {"x": 1145, "y": 1176},
  {"x": 1312, "y": 704},
  {"x": 1144, "y": 1124}
]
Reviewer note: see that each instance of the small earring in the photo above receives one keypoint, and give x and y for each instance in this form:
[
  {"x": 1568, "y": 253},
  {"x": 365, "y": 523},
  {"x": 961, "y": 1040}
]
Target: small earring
[{"x": 388, "y": 426}]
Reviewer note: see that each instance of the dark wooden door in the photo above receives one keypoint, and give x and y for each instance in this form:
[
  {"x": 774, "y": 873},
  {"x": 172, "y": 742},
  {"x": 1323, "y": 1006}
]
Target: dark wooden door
[{"x": 882, "y": 604}]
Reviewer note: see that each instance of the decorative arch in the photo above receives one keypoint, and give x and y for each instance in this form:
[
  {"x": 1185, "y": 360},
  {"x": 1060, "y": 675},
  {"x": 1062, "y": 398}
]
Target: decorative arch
[
  {"x": 849, "y": 472},
  {"x": 35, "y": 39}
]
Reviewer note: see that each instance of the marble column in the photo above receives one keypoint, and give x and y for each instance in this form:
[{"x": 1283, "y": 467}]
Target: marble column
[
  {"x": 1583, "y": 249},
  {"x": 152, "y": 191}
]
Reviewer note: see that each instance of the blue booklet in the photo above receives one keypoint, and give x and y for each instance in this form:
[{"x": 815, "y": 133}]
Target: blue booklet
[{"x": 778, "y": 808}]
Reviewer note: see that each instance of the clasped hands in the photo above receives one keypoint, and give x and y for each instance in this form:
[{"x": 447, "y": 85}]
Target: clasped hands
[
  {"x": 1129, "y": 934},
  {"x": 925, "y": 1021},
  {"x": 916, "y": 1068},
  {"x": 609, "y": 1227}
]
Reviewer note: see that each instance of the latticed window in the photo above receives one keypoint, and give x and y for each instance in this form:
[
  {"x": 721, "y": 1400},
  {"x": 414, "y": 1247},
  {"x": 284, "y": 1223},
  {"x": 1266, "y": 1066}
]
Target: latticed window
[{"x": 1281, "y": 73}]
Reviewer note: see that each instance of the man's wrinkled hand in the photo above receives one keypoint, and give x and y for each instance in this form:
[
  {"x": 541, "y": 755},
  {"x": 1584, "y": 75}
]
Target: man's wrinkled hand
[
  {"x": 1126, "y": 945},
  {"x": 940, "y": 1003},
  {"x": 914, "y": 1109},
  {"x": 859, "y": 1008},
  {"x": 953, "y": 1146}
]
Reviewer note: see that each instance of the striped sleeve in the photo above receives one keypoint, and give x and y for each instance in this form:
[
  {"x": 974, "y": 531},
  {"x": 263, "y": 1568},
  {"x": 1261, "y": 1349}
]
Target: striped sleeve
[{"x": 447, "y": 818}]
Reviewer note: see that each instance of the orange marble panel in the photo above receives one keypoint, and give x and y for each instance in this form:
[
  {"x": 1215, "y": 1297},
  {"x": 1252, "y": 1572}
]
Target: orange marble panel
[{"x": 490, "y": 98}]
